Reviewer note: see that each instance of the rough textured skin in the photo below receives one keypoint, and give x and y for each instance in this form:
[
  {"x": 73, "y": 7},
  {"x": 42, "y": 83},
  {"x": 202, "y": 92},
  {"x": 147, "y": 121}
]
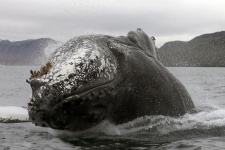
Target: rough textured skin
[{"x": 100, "y": 77}]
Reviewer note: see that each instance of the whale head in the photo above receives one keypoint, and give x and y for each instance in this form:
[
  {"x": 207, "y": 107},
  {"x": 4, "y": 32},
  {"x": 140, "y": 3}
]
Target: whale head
[
  {"x": 96, "y": 77},
  {"x": 73, "y": 89}
]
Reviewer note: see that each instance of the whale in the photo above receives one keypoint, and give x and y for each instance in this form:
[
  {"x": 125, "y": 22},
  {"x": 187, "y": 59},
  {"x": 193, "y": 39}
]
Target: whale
[{"x": 93, "y": 78}]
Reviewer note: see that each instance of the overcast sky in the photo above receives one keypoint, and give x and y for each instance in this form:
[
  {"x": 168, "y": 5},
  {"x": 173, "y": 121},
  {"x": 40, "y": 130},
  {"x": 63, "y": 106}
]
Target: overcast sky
[{"x": 61, "y": 20}]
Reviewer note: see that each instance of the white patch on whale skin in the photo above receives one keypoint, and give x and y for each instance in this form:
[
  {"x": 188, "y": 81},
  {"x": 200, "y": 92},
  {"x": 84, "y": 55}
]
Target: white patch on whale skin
[
  {"x": 80, "y": 58},
  {"x": 67, "y": 67},
  {"x": 103, "y": 65}
]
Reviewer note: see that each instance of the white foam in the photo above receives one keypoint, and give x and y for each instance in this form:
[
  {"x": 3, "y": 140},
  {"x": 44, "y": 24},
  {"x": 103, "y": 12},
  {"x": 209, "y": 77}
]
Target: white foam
[
  {"x": 13, "y": 112},
  {"x": 156, "y": 124}
]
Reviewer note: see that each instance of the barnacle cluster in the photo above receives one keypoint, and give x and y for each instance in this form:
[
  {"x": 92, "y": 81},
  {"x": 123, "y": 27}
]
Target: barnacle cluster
[{"x": 43, "y": 70}]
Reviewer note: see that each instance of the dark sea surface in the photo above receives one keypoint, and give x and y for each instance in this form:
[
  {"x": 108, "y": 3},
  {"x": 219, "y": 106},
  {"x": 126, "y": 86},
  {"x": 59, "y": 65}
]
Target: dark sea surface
[{"x": 201, "y": 129}]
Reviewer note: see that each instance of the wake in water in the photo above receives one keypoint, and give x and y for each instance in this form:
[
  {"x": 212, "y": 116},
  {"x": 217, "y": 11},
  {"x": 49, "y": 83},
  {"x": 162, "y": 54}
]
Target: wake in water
[
  {"x": 192, "y": 131},
  {"x": 207, "y": 122},
  {"x": 203, "y": 123}
]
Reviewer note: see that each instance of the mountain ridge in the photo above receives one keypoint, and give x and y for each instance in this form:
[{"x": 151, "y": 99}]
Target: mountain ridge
[
  {"x": 207, "y": 50},
  {"x": 26, "y": 52}
]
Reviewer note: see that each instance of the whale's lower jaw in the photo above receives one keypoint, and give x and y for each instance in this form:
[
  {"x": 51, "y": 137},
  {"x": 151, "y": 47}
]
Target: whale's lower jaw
[{"x": 76, "y": 112}]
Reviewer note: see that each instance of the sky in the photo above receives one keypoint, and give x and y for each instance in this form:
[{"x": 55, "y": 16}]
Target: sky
[{"x": 167, "y": 20}]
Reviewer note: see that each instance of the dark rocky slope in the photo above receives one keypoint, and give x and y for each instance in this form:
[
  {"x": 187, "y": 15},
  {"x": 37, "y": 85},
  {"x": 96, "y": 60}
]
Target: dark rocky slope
[{"x": 206, "y": 50}]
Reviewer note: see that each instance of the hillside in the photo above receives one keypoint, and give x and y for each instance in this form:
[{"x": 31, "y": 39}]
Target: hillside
[
  {"x": 28, "y": 52},
  {"x": 206, "y": 50}
]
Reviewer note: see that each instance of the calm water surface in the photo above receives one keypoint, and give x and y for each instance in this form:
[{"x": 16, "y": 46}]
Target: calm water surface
[{"x": 203, "y": 128}]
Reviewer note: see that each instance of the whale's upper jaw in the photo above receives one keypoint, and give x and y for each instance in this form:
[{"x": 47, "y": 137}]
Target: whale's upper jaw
[{"x": 78, "y": 81}]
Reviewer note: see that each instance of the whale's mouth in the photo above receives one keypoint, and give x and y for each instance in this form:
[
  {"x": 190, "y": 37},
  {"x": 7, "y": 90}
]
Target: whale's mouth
[
  {"x": 75, "y": 112},
  {"x": 80, "y": 70}
]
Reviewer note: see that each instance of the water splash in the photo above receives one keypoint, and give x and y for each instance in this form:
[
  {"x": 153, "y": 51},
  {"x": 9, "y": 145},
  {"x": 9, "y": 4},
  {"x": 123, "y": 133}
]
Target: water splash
[{"x": 202, "y": 123}]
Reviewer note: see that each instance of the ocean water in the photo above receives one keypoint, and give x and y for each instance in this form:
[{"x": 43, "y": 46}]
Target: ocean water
[{"x": 202, "y": 129}]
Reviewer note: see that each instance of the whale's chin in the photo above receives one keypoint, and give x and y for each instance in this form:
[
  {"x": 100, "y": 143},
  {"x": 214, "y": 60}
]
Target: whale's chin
[{"x": 78, "y": 111}]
